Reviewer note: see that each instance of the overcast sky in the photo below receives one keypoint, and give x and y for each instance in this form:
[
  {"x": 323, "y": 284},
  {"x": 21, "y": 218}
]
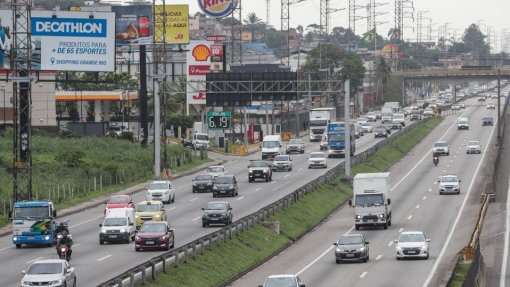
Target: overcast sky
[{"x": 459, "y": 14}]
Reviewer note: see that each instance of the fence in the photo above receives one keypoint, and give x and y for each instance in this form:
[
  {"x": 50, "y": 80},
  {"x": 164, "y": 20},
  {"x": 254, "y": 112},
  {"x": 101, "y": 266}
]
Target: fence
[{"x": 175, "y": 257}]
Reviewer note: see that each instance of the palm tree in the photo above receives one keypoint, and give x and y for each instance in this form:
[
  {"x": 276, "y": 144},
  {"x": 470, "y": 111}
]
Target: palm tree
[
  {"x": 382, "y": 75},
  {"x": 254, "y": 22}
]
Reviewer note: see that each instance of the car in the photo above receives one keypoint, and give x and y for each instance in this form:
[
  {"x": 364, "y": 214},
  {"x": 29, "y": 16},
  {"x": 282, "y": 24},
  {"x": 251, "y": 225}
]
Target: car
[
  {"x": 155, "y": 235},
  {"x": 380, "y": 132},
  {"x": 283, "y": 280},
  {"x": 481, "y": 97},
  {"x": 412, "y": 244},
  {"x": 225, "y": 185},
  {"x": 395, "y": 125},
  {"x": 358, "y": 131},
  {"x": 295, "y": 145},
  {"x": 415, "y": 115},
  {"x": 282, "y": 162},
  {"x": 317, "y": 159},
  {"x": 441, "y": 147},
  {"x": 149, "y": 211},
  {"x": 407, "y": 110},
  {"x": 428, "y": 112},
  {"x": 202, "y": 182},
  {"x": 161, "y": 190},
  {"x": 117, "y": 130},
  {"x": 351, "y": 247},
  {"x": 473, "y": 147},
  {"x": 367, "y": 127},
  {"x": 449, "y": 184},
  {"x": 260, "y": 169},
  {"x": 216, "y": 170},
  {"x": 361, "y": 120},
  {"x": 119, "y": 201},
  {"x": 217, "y": 212},
  {"x": 462, "y": 123},
  {"x": 371, "y": 117},
  {"x": 491, "y": 106},
  {"x": 49, "y": 272},
  {"x": 487, "y": 121},
  {"x": 462, "y": 105},
  {"x": 385, "y": 127},
  {"x": 455, "y": 107},
  {"x": 378, "y": 114},
  {"x": 324, "y": 142}
]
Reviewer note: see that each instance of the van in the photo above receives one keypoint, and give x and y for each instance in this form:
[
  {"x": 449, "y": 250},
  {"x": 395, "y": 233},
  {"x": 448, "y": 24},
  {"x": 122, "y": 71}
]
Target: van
[
  {"x": 118, "y": 226},
  {"x": 200, "y": 140},
  {"x": 463, "y": 124},
  {"x": 271, "y": 146}
]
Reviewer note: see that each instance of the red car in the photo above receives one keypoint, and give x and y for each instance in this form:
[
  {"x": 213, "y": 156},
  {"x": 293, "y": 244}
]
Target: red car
[
  {"x": 155, "y": 235},
  {"x": 119, "y": 201}
]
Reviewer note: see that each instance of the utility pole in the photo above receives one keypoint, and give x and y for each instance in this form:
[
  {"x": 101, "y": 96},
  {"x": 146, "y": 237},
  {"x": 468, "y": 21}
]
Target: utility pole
[{"x": 419, "y": 26}]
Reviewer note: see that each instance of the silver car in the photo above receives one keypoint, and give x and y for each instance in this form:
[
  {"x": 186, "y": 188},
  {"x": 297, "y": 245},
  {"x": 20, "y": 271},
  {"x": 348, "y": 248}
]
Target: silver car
[
  {"x": 367, "y": 127},
  {"x": 49, "y": 272},
  {"x": 449, "y": 184},
  {"x": 317, "y": 159},
  {"x": 473, "y": 147},
  {"x": 412, "y": 244},
  {"x": 283, "y": 280},
  {"x": 282, "y": 162}
]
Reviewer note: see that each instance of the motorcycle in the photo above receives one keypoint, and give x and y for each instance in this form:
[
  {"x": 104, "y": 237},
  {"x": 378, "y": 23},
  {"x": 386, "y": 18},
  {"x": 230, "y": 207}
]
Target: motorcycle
[
  {"x": 63, "y": 250},
  {"x": 435, "y": 160}
]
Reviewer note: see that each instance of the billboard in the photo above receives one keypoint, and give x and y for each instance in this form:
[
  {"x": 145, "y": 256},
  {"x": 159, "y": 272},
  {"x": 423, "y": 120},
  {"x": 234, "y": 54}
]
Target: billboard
[
  {"x": 133, "y": 24},
  {"x": 198, "y": 66},
  {"x": 65, "y": 41},
  {"x": 176, "y": 26},
  {"x": 217, "y": 8}
]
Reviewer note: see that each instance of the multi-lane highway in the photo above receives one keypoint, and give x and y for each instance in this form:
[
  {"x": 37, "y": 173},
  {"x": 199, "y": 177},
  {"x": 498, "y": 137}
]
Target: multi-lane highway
[
  {"x": 447, "y": 220},
  {"x": 96, "y": 263}
]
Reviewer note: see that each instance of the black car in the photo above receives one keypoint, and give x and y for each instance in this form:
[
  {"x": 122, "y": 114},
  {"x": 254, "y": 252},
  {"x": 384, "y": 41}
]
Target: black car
[
  {"x": 351, "y": 247},
  {"x": 203, "y": 182},
  {"x": 217, "y": 212},
  {"x": 225, "y": 185},
  {"x": 259, "y": 169},
  {"x": 380, "y": 132},
  {"x": 487, "y": 121},
  {"x": 386, "y": 127},
  {"x": 395, "y": 125}
]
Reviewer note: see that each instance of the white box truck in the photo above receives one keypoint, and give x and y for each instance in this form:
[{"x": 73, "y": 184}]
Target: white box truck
[
  {"x": 271, "y": 146},
  {"x": 371, "y": 200},
  {"x": 319, "y": 120}
]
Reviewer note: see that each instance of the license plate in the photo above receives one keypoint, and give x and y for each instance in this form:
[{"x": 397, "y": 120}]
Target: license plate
[
  {"x": 349, "y": 255},
  {"x": 31, "y": 238},
  {"x": 201, "y": 187},
  {"x": 149, "y": 242},
  {"x": 374, "y": 220},
  {"x": 113, "y": 236},
  {"x": 214, "y": 219},
  {"x": 411, "y": 252}
]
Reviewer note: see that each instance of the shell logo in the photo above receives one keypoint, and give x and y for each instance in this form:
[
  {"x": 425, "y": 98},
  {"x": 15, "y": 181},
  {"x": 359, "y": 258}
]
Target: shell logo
[
  {"x": 201, "y": 53},
  {"x": 217, "y": 8}
]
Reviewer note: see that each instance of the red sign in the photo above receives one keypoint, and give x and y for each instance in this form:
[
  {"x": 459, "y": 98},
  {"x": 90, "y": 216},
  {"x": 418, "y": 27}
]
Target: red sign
[
  {"x": 199, "y": 96},
  {"x": 217, "y": 50},
  {"x": 217, "y": 38},
  {"x": 198, "y": 70}
]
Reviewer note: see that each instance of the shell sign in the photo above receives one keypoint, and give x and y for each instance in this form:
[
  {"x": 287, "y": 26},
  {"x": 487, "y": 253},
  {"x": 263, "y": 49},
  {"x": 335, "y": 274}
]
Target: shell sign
[
  {"x": 201, "y": 53},
  {"x": 217, "y": 8}
]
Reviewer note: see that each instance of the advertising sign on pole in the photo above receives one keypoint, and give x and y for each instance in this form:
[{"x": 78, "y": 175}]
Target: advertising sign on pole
[
  {"x": 216, "y": 58},
  {"x": 218, "y": 9},
  {"x": 198, "y": 66},
  {"x": 218, "y": 120},
  {"x": 133, "y": 24},
  {"x": 176, "y": 26}
]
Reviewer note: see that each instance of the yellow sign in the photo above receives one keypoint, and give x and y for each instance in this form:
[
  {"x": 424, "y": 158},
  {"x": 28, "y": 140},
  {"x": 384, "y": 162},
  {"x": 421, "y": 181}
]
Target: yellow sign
[{"x": 176, "y": 26}]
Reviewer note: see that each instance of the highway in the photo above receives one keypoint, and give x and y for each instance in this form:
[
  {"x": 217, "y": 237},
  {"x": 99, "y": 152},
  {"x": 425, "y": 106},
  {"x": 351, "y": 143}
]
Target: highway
[
  {"x": 96, "y": 263},
  {"x": 447, "y": 220}
]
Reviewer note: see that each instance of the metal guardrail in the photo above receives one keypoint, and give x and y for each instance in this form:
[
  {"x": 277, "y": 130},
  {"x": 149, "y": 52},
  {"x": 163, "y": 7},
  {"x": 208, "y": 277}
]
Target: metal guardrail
[{"x": 149, "y": 269}]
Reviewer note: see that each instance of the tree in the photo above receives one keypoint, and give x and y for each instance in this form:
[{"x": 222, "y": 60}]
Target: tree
[
  {"x": 300, "y": 30},
  {"x": 273, "y": 39},
  {"x": 382, "y": 74},
  {"x": 474, "y": 41},
  {"x": 254, "y": 22}
]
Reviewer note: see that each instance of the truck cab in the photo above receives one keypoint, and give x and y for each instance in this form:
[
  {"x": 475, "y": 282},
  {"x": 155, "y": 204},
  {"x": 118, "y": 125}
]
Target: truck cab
[
  {"x": 33, "y": 223},
  {"x": 271, "y": 146}
]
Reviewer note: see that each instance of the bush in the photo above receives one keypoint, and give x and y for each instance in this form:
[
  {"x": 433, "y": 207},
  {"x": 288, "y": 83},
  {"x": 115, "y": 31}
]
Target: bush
[{"x": 71, "y": 158}]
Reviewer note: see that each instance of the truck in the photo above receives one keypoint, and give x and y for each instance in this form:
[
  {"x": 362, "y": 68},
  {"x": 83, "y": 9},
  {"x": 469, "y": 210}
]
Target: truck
[
  {"x": 336, "y": 139},
  {"x": 271, "y": 146},
  {"x": 319, "y": 120},
  {"x": 371, "y": 200},
  {"x": 386, "y": 115},
  {"x": 33, "y": 223},
  {"x": 394, "y": 106}
]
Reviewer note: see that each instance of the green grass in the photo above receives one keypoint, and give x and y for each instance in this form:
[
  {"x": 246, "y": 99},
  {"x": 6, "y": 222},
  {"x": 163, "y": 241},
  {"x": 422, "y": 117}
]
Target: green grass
[
  {"x": 257, "y": 244},
  {"x": 459, "y": 274}
]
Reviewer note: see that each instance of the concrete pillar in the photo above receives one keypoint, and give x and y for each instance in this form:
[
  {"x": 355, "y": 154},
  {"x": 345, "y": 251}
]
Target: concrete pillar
[
  {"x": 106, "y": 111},
  {"x": 97, "y": 111}
]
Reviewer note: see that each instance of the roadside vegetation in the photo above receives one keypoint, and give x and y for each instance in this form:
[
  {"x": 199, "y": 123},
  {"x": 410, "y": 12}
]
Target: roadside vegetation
[
  {"x": 459, "y": 275},
  {"x": 70, "y": 170},
  {"x": 251, "y": 248}
]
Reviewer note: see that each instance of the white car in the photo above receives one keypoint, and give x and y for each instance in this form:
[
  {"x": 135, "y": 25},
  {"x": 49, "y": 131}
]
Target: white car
[
  {"x": 283, "y": 280},
  {"x": 473, "y": 147},
  {"x": 282, "y": 162},
  {"x": 324, "y": 142},
  {"x": 216, "y": 170},
  {"x": 361, "y": 120},
  {"x": 441, "y": 147},
  {"x": 317, "y": 159},
  {"x": 53, "y": 272},
  {"x": 491, "y": 106},
  {"x": 161, "y": 190},
  {"x": 449, "y": 184},
  {"x": 367, "y": 127},
  {"x": 428, "y": 112},
  {"x": 455, "y": 107},
  {"x": 371, "y": 117},
  {"x": 412, "y": 244}
]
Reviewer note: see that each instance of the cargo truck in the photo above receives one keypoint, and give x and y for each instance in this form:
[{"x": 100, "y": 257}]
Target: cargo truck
[
  {"x": 371, "y": 200},
  {"x": 319, "y": 120},
  {"x": 33, "y": 223}
]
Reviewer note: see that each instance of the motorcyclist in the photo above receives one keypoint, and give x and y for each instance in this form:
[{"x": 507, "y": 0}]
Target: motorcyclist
[
  {"x": 435, "y": 157},
  {"x": 61, "y": 228},
  {"x": 65, "y": 240}
]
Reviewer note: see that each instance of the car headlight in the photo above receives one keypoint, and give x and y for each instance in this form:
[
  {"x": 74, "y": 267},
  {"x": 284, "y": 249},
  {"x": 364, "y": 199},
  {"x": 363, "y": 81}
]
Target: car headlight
[
  {"x": 424, "y": 247},
  {"x": 148, "y": 194},
  {"x": 362, "y": 249},
  {"x": 25, "y": 282},
  {"x": 250, "y": 171},
  {"x": 46, "y": 238},
  {"x": 103, "y": 230},
  {"x": 59, "y": 282},
  {"x": 194, "y": 184},
  {"x": 231, "y": 187},
  {"x": 157, "y": 215},
  {"x": 225, "y": 214},
  {"x": 137, "y": 216},
  {"x": 381, "y": 215},
  {"x": 358, "y": 216},
  {"x": 209, "y": 183},
  {"x": 123, "y": 230},
  {"x": 167, "y": 192},
  {"x": 137, "y": 238},
  {"x": 339, "y": 250},
  {"x": 265, "y": 171},
  {"x": 399, "y": 248},
  {"x": 215, "y": 187}
]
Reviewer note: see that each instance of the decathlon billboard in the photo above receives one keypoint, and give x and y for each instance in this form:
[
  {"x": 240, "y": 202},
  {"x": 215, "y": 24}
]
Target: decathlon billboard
[{"x": 74, "y": 41}]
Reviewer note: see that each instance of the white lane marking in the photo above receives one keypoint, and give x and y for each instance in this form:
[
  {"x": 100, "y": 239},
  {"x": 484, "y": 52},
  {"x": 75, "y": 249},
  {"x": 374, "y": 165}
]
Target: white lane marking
[
  {"x": 400, "y": 230},
  {"x": 391, "y": 243},
  {"x": 34, "y": 260},
  {"x": 322, "y": 255},
  {"x": 6, "y": 248},
  {"x": 379, "y": 256},
  {"x": 418, "y": 206},
  {"x": 430, "y": 189},
  {"x": 196, "y": 218},
  {"x": 363, "y": 274},
  {"x": 287, "y": 175},
  {"x": 444, "y": 170},
  {"x": 77, "y": 244},
  {"x": 103, "y": 258},
  {"x": 447, "y": 165},
  {"x": 86, "y": 221},
  {"x": 438, "y": 260},
  {"x": 507, "y": 235},
  {"x": 241, "y": 197},
  {"x": 275, "y": 189},
  {"x": 451, "y": 160},
  {"x": 273, "y": 181},
  {"x": 193, "y": 199},
  {"x": 409, "y": 217},
  {"x": 171, "y": 208},
  {"x": 257, "y": 189},
  {"x": 425, "y": 197},
  {"x": 300, "y": 168}
]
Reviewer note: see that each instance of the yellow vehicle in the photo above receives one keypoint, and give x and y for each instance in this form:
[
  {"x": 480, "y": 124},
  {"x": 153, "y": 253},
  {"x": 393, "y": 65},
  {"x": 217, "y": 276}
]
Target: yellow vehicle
[{"x": 149, "y": 211}]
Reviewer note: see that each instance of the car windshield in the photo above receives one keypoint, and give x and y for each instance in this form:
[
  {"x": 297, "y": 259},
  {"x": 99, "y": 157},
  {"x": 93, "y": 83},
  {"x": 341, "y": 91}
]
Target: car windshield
[
  {"x": 317, "y": 155},
  {"x": 281, "y": 158},
  {"x": 368, "y": 200},
  {"x": 318, "y": 123},
  {"x": 45, "y": 268},
  {"x": 473, "y": 143},
  {"x": 158, "y": 185},
  {"x": 270, "y": 144},
  {"x": 202, "y": 137},
  {"x": 216, "y": 206},
  {"x": 413, "y": 237},
  {"x": 381, "y": 130},
  {"x": 295, "y": 141},
  {"x": 203, "y": 177},
  {"x": 487, "y": 119},
  {"x": 147, "y": 207},
  {"x": 118, "y": 199},
  {"x": 365, "y": 124},
  {"x": 215, "y": 169},
  {"x": 259, "y": 164},
  {"x": 224, "y": 180},
  {"x": 153, "y": 227},
  {"x": 347, "y": 240},
  {"x": 336, "y": 138},
  {"x": 441, "y": 145},
  {"x": 448, "y": 179},
  {"x": 280, "y": 282},
  {"x": 115, "y": 221}
]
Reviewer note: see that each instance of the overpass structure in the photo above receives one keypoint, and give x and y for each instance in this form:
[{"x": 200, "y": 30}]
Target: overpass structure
[{"x": 453, "y": 75}]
